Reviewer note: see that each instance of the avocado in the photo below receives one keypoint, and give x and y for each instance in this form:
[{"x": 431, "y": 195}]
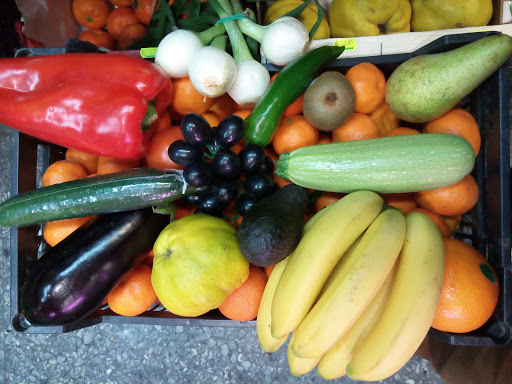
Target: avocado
[
  {"x": 329, "y": 101},
  {"x": 272, "y": 228}
]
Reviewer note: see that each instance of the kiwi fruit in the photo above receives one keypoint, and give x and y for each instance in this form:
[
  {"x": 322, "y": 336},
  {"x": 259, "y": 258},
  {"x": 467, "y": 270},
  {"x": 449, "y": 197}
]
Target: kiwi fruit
[{"x": 329, "y": 101}]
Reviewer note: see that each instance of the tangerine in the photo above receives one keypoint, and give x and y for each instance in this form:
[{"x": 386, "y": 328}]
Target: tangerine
[
  {"x": 385, "y": 119},
  {"x": 98, "y": 37},
  {"x": 358, "y": 127},
  {"x": 402, "y": 131},
  {"x": 186, "y": 99},
  {"x": 130, "y": 34},
  {"x": 91, "y": 14},
  {"x": 243, "y": 303},
  {"x": 144, "y": 10},
  {"x": 458, "y": 122},
  {"x": 118, "y": 18},
  {"x": 62, "y": 171},
  {"x": 294, "y": 132},
  {"x": 402, "y": 201},
  {"x": 452, "y": 200},
  {"x": 89, "y": 161},
  {"x": 56, "y": 231},
  {"x": 112, "y": 164},
  {"x": 134, "y": 294},
  {"x": 369, "y": 84}
]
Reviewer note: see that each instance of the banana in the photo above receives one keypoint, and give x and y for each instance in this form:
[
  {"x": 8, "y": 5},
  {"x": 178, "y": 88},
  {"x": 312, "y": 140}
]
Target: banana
[
  {"x": 316, "y": 255},
  {"x": 314, "y": 218},
  {"x": 334, "y": 362},
  {"x": 411, "y": 306},
  {"x": 360, "y": 277},
  {"x": 299, "y": 366},
  {"x": 267, "y": 342}
]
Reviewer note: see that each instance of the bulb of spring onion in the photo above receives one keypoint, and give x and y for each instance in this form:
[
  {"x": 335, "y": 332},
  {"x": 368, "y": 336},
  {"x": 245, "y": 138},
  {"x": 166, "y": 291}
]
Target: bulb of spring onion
[
  {"x": 175, "y": 51},
  {"x": 281, "y": 41},
  {"x": 212, "y": 70},
  {"x": 252, "y": 78}
]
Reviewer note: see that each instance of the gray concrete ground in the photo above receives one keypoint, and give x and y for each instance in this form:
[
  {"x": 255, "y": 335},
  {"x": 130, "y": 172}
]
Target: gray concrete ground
[{"x": 140, "y": 354}]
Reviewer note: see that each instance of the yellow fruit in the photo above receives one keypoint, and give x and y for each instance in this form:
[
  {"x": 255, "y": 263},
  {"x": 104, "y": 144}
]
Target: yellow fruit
[
  {"x": 433, "y": 15},
  {"x": 352, "y": 18},
  {"x": 197, "y": 264}
]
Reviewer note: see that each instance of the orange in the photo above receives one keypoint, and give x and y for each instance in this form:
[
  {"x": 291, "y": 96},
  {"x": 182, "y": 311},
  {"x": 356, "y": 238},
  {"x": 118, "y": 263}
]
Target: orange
[
  {"x": 294, "y": 108},
  {"x": 144, "y": 10},
  {"x": 243, "y": 303},
  {"x": 369, "y": 84},
  {"x": 211, "y": 118},
  {"x": 324, "y": 138},
  {"x": 402, "y": 201},
  {"x": 243, "y": 113},
  {"x": 134, "y": 294},
  {"x": 118, "y": 18},
  {"x": 148, "y": 259},
  {"x": 130, "y": 34},
  {"x": 163, "y": 121},
  {"x": 357, "y": 127},
  {"x": 56, "y": 231},
  {"x": 223, "y": 106},
  {"x": 186, "y": 99},
  {"x": 90, "y": 162},
  {"x": 458, "y": 122},
  {"x": 98, "y": 37},
  {"x": 470, "y": 289},
  {"x": 452, "y": 200},
  {"x": 325, "y": 199},
  {"x": 402, "y": 131},
  {"x": 62, "y": 171},
  {"x": 281, "y": 182},
  {"x": 453, "y": 222},
  {"x": 123, "y": 3},
  {"x": 91, "y": 14},
  {"x": 111, "y": 165},
  {"x": 438, "y": 220},
  {"x": 268, "y": 270},
  {"x": 294, "y": 132},
  {"x": 385, "y": 119},
  {"x": 158, "y": 155}
]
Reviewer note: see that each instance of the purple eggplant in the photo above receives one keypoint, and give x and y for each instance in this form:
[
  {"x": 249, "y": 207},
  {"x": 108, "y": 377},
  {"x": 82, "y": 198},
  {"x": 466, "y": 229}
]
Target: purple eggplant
[{"x": 71, "y": 280}]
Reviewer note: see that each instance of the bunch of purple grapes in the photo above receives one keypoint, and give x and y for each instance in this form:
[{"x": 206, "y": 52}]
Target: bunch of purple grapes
[{"x": 210, "y": 163}]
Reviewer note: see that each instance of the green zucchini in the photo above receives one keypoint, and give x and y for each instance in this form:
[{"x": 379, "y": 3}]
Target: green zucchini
[
  {"x": 120, "y": 191},
  {"x": 393, "y": 164}
]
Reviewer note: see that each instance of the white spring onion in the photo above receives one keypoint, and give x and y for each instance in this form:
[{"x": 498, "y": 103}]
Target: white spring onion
[
  {"x": 175, "y": 50},
  {"x": 281, "y": 41},
  {"x": 252, "y": 78},
  {"x": 212, "y": 70}
]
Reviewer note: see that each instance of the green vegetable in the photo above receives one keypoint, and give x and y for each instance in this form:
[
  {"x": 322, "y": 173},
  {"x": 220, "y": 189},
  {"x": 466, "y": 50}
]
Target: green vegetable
[
  {"x": 120, "y": 191},
  {"x": 291, "y": 82},
  {"x": 393, "y": 164}
]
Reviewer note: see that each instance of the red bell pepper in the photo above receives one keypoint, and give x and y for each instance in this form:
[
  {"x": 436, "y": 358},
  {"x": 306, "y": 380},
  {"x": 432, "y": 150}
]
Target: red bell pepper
[
  {"x": 36, "y": 72},
  {"x": 30, "y": 87},
  {"x": 99, "y": 118}
]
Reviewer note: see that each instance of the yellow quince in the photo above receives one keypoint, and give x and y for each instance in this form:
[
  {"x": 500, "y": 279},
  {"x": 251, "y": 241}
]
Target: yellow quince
[
  {"x": 433, "y": 15},
  {"x": 352, "y": 18}
]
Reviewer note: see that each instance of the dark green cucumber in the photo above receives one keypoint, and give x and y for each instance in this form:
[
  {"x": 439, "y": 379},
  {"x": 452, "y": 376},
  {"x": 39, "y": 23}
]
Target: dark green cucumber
[{"x": 120, "y": 191}]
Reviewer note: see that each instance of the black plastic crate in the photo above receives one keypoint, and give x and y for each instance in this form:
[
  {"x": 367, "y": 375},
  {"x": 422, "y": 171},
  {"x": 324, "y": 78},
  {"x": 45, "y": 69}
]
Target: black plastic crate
[{"x": 486, "y": 227}]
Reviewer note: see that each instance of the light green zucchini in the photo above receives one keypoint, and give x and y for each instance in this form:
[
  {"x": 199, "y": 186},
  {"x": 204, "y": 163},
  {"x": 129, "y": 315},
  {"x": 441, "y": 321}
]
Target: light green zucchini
[{"x": 394, "y": 164}]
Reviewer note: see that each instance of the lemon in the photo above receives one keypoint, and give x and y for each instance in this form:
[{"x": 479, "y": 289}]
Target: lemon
[{"x": 197, "y": 264}]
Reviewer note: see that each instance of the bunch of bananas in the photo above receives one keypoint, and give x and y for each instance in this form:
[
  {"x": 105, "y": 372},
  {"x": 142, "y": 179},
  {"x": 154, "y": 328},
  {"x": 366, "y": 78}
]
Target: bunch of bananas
[{"x": 359, "y": 292}]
